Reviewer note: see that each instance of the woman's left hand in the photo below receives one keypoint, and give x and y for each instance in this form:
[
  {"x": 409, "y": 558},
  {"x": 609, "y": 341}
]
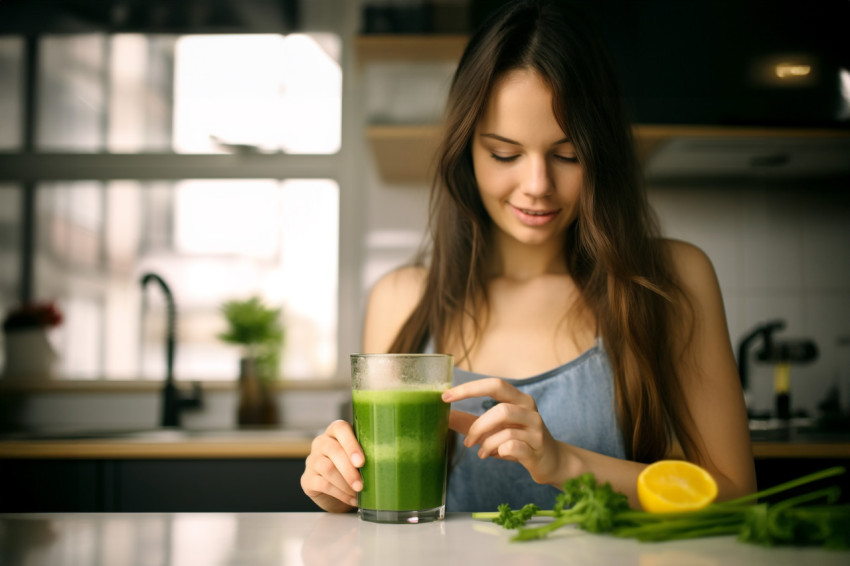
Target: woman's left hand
[{"x": 511, "y": 430}]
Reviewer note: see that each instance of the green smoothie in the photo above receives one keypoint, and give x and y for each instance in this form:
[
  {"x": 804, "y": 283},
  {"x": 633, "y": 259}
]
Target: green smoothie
[{"x": 403, "y": 436}]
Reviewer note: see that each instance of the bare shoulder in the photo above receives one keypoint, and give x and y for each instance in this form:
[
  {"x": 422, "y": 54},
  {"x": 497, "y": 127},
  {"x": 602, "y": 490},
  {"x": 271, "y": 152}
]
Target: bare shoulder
[
  {"x": 698, "y": 280},
  {"x": 693, "y": 268},
  {"x": 399, "y": 288},
  {"x": 391, "y": 302},
  {"x": 688, "y": 260}
]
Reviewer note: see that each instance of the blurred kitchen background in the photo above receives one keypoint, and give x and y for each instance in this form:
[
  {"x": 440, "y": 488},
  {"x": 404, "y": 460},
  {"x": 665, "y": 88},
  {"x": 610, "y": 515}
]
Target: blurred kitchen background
[{"x": 281, "y": 149}]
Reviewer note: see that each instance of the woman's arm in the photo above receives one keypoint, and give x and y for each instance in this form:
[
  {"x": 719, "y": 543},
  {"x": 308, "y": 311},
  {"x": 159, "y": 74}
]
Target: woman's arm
[{"x": 709, "y": 378}]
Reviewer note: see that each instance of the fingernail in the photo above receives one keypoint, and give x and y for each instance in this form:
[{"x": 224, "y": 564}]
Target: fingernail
[
  {"x": 357, "y": 486},
  {"x": 447, "y": 397},
  {"x": 353, "y": 502},
  {"x": 357, "y": 460},
  {"x": 467, "y": 442}
]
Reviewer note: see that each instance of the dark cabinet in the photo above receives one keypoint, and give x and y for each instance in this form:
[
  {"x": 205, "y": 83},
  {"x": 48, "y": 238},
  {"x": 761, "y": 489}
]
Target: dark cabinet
[
  {"x": 50, "y": 485},
  {"x": 168, "y": 485},
  {"x": 774, "y": 471}
]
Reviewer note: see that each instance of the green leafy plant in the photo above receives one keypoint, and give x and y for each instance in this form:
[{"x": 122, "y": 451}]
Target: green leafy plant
[
  {"x": 258, "y": 330},
  {"x": 598, "y": 508}
]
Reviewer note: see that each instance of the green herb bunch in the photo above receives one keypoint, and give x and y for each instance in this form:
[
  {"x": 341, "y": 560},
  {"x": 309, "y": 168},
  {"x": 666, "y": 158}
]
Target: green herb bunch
[
  {"x": 258, "y": 329},
  {"x": 812, "y": 518}
]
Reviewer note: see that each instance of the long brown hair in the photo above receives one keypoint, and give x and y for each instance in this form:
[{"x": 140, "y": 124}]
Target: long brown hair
[{"x": 612, "y": 251}]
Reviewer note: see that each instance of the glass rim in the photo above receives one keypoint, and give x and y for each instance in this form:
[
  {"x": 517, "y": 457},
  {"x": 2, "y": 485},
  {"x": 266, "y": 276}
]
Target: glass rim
[{"x": 412, "y": 355}]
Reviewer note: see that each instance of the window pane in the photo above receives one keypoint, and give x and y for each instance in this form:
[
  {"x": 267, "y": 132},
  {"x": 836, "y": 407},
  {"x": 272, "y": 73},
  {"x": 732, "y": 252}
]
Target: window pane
[
  {"x": 10, "y": 250},
  {"x": 11, "y": 77},
  {"x": 273, "y": 92},
  {"x": 71, "y": 93},
  {"x": 190, "y": 94},
  {"x": 141, "y": 72},
  {"x": 211, "y": 241}
]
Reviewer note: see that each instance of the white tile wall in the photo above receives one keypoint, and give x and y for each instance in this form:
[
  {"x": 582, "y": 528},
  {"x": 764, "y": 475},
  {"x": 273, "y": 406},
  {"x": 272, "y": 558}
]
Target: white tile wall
[
  {"x": 781, "y": 252},
  {"x": 826, "y": 240},
  {"x": 397, "y": 223}
]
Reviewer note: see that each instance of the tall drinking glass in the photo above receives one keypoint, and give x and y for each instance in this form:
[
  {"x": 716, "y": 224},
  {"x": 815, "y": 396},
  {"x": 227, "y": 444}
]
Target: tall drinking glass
[{"x": 402, "y": 424}]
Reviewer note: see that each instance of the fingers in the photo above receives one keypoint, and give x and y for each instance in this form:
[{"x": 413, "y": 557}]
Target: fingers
[
  {"x": 322, "y": 483},
  {"x": 514, "y": 450},
  {"x": 502, "y": 416},
  {"x": 330, "y": 474},
  {"x": 512, "y": 433},
  {"x": 344, "y": 434},
  {"x": 511, "y": 444},
  {"x": 498, "y": 389}
]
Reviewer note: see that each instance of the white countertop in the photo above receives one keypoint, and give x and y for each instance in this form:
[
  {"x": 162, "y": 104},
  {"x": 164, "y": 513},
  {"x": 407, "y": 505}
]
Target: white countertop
[{"x": 322, "y": 539}]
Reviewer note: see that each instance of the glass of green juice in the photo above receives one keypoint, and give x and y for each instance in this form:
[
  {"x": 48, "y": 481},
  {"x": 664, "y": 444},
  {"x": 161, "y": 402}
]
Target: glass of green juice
[{"x": 401, "y": 423}]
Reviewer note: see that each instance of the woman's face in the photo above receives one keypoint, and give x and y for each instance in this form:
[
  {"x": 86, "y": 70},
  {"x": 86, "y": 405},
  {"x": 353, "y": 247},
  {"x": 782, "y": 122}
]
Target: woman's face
[{"x": 525, "y": 165}]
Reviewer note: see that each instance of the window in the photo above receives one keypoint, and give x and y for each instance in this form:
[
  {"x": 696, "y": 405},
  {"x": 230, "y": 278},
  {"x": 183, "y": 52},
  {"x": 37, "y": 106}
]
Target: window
[{"x": 224, "y": 193}]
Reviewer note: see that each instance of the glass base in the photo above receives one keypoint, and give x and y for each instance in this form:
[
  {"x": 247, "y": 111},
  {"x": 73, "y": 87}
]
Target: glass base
[{"x": 422, "y": 516}]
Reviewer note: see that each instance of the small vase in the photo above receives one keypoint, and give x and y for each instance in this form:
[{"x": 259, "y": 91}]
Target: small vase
[
  {"x": 257, "y": 405},
  {"x": 28, "y": 355}
]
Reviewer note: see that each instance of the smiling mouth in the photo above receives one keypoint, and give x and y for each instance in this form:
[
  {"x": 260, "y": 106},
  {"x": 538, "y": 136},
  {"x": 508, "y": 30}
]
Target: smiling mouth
[
  {"x": 536, "y": 212},
  {"x": 531, "y": 217}
]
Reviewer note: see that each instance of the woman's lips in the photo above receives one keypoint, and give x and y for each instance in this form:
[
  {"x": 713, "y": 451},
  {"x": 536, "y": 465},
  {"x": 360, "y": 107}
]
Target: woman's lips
[{"x": 534, "y": 217}]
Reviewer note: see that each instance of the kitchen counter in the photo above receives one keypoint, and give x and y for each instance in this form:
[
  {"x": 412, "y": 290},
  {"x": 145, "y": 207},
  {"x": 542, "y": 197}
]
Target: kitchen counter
[
  {"x": 156, "y": 444},
  {"x": 322, "y": 539},
  {"x": 282, "y": 444}
]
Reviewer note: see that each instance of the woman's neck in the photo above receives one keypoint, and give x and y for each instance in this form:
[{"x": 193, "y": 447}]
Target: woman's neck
[{"x": 518, "y": 261}]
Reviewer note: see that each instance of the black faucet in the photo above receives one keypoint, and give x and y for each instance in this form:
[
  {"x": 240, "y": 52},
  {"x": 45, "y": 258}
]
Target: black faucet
[
  {"x": 773, "y": 351},
  {"x": 173, "y": 400},
  {"x": 765, "y": 332}
]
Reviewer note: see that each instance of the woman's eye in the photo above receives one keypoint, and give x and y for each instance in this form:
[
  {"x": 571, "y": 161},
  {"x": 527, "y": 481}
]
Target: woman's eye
[
  {"x": 503, "y": 158},
  {"x": 566, "y": 159}
]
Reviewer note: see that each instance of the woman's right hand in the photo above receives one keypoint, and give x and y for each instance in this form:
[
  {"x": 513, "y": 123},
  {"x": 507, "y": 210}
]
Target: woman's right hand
[{"x": 331, "y": 476}]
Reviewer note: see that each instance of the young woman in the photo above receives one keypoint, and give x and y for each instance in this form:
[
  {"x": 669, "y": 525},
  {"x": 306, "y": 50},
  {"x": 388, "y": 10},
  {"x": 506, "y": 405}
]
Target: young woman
[{"x": 584, "y": 342}]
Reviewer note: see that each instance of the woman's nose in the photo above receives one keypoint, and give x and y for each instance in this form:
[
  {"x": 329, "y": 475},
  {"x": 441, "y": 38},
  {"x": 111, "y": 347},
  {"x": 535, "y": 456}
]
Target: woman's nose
[{"x": 537, "y": 181}]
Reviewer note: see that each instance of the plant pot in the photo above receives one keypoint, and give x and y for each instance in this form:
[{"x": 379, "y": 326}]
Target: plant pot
[
  {"x": 28, "y": 355},
  {"x": 257, "y": 404}
]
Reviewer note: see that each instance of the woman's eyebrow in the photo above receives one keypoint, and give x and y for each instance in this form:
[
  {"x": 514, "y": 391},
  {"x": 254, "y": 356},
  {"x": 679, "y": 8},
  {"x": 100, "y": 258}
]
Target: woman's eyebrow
[{"x": 510, "y": 141}]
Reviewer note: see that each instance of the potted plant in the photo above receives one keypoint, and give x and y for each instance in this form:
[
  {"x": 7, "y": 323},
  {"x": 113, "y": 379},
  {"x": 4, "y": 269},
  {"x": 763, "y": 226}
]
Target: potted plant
[
  {"x": 28, "y": 352},
  {"x": 257, "y": 330}
]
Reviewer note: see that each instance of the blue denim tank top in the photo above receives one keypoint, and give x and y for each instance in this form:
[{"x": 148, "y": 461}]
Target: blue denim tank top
[{"x": 576, "y": 402}]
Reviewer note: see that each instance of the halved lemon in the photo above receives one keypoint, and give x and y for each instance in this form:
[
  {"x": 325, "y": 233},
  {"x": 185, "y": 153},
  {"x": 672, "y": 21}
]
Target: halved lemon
[{"x": 675, "y": 485}]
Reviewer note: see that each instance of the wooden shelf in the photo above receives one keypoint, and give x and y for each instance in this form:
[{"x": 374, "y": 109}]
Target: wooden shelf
[
  {"x": 404, "y": 154},
  {"x": 403, "y": 47}
]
